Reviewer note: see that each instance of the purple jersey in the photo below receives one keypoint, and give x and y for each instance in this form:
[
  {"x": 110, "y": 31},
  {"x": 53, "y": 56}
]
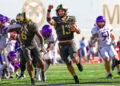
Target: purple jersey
[{"x": 15, "y": 63}]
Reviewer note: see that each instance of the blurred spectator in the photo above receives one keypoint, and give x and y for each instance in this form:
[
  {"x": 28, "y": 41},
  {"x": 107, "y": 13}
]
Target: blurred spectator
[{"x": 83, "y": 50}]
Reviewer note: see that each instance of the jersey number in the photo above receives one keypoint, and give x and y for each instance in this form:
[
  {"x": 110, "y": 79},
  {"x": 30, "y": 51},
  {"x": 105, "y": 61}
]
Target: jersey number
[
  {"x": 64, "y": 31},
  {"x": 24, "y": 35},
  {"x": 105, "y": 35}
]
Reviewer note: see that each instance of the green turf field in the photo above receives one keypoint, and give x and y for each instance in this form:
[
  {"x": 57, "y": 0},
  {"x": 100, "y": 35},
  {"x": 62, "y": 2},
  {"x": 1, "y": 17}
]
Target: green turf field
[{"x": 58, "y": 75}]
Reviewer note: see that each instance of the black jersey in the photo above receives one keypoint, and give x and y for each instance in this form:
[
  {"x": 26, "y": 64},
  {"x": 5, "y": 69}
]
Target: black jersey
[
  {"x": 62, "y": 28},
  {"x": 27, "y": 34}
]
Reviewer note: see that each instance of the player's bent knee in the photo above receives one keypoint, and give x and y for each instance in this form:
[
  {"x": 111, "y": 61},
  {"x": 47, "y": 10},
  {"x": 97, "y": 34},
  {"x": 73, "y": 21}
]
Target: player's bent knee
[
  {"x": 29, "y": 62},
  {"x": 106, "y": 61},
  {"x": 40, "y": 63},
  {"x": 115, "y": 57}
]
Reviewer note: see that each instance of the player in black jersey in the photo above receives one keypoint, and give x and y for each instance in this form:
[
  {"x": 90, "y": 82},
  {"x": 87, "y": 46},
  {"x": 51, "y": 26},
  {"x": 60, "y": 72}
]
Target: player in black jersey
[
  {"x": 22, "y": 58},
  {"x": 65, "y": 27},
  {"x": 27, "y": 30}
]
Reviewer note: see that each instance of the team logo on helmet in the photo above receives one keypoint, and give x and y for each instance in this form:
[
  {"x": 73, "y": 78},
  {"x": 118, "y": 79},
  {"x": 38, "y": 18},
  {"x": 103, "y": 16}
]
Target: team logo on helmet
[{"x": 34, "y": 9}]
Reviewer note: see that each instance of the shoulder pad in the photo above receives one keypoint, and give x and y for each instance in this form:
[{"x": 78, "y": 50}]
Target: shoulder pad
[
  {"x": 56, "y": 18},
  {"x": 109, "y": 27}
]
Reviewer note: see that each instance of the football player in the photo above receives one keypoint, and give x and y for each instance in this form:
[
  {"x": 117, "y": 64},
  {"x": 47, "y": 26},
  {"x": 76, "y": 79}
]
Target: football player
[
  {"x": 3, "y": 42},
  {"x": 27, "y": 30},
  {"x": 12, "y": 57},
  {"x": 65, "y": 27},
  {"x": 91, "y": 50},
  {"x": 49, "y": 37},
  {"x": 104, "y": 36},
  {"x": 49, "y": 40},
  {"x": 83, "y": 50}
]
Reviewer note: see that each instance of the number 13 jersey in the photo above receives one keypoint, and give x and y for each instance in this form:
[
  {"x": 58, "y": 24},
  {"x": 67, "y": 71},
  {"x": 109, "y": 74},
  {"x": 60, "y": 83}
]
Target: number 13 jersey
[{"x": 62, "y": 27}]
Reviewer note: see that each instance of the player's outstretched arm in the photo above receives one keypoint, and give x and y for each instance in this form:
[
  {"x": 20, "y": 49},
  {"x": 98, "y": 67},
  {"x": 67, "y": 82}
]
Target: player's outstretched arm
[
  {"x": 49, "y": 19},
  {"x": 14, "y": 27}
]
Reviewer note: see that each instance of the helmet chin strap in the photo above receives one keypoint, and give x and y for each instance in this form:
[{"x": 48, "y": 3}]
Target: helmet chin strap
[
  {"x": 62, "y": 16},
  {"x": 65, "y": 14},
  {"x": 99, "y": 25}
]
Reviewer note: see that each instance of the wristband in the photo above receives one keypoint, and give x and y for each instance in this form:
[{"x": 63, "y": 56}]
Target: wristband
[
  {"x": 48, "y": 19},
  {"x": 49, "y": 10}
]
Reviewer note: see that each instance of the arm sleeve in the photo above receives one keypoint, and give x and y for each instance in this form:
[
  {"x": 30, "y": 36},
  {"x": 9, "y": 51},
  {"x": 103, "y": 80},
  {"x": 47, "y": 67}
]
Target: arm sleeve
[
  {"x": 93, "y": 31},
  {"x": 55, "y": 19},
  {"x": 13, "y": 27}
]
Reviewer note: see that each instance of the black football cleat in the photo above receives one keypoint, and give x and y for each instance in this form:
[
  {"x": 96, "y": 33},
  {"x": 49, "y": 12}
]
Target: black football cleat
[
  {"x": 32, "y": 81},
  {"x": 80, "y": 67},
  {"x": 110, "y": 76},
  {"x": 76, "y": 79},
  {"x": 21, "y": 77},
  {"x": 114, "y": 63},
  {"x": 119, "y": 73},
  {"x": 43, "y": 76}
]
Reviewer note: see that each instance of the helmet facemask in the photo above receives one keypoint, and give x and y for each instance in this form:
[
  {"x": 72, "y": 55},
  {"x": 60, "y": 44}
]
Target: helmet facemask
[
  {"x": 61, "y": 7},
  {"x": 101, "y": 24},
  {"x": 100, "y": 21},
  {"x": 61, "y": 16}
]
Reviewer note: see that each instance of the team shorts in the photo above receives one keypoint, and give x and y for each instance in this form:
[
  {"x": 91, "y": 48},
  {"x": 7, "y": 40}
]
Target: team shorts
[
  {"x": 67, "y": 49},
  {"x": 108, "y": 51},
  {"x": 32, "y": 53}
]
